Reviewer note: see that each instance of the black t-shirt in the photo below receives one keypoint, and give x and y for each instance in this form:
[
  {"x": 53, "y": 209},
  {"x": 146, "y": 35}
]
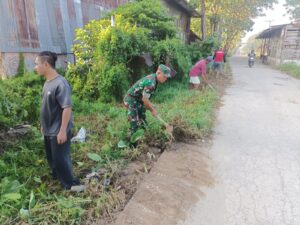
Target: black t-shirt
[{"x": 56, "y": 97}]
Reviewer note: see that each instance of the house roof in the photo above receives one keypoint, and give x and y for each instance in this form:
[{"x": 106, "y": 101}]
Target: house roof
[
  {"x": 185, "y": 7},
  {"x": 273, "y": 31}
]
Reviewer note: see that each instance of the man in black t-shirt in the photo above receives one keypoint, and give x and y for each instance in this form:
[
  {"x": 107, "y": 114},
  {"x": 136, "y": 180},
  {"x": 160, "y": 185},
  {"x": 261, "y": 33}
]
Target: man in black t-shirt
[{"x": 56, "y": 120}]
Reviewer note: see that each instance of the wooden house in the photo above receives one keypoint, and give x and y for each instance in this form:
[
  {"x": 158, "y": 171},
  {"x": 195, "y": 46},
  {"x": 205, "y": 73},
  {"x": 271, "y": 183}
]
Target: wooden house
[
  {"x": 281, "y": 43},
  {"x": 183, "y": 12}
]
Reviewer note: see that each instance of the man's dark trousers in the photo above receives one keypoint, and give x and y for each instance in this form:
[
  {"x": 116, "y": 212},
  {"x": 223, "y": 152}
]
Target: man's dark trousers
[{"x": 58, "y": 156}]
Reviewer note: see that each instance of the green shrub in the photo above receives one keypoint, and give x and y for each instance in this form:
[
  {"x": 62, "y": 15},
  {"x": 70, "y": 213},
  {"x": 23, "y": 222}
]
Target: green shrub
[
  {"x": 151, "y": 15},
  {"x": 21, "y": 68},
  {"x": 104, "y": 54},
  {"x": 20, "y": 99},
  {"x": 174, "y": 53},
  {"x": 209, "y": 45},
  {"x": 103, "y": 73},
  {"x": 5, "y": 107}
]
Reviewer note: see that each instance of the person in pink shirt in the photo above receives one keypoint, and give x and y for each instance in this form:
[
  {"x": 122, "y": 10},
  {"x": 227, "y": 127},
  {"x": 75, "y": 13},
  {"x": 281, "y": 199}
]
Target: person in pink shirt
[{"x": 198, "y": 69}]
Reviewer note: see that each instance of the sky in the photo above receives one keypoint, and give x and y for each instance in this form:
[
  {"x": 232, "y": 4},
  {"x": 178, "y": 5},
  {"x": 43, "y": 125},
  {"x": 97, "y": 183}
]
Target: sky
[{"x": 273, "y": 16}]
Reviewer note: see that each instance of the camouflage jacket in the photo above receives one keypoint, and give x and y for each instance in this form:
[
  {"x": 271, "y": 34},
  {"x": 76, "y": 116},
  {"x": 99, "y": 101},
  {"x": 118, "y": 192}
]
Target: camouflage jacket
[{"x": 143, "y": 87}]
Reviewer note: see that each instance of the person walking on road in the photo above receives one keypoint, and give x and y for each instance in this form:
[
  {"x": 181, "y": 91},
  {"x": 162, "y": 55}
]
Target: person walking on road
[{"x": 137, "y": 99}]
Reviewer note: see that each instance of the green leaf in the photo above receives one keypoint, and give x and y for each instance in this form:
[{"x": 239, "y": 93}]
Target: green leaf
[
  {"x": 94, "y": 157},
  {"x": 8, "y": 186},
  {"x": 106, "y": 148},
  {"x": 24, "y": 213},
  {"x": 80, "y": 164},
  {"x": 2, "y": 163},
  {"x": 37, "y": 179},
  {"x": 31, "y": 200},
  {"x": 66, "y": 203},
  {"x": 137, "y": 136},
  {"x": 12, "y": 196},
  {"x": 122, "y": 144}
]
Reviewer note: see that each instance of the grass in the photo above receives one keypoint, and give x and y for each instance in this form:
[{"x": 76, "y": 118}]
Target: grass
[
  {"x": 35, "y": 198},
  {"x": 291, "y": 69}
]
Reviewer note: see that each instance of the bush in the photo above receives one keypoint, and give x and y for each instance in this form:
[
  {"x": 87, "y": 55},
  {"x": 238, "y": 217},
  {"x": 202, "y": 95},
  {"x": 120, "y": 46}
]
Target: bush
[
  {"x": 20, "y": 99},
  {"x": 105, "y": 54},
  {"x": 172, "y": 52},
  {"x": 151, "y": 15},
  {"x": 21, "y": 68},
  {"x": 103, "y": 73}
]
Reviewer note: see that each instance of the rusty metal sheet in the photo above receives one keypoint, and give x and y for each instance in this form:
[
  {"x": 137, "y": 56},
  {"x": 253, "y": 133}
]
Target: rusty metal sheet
[
  {"x": 85, "y": 11},
  {"x": 9, "y": 38},
  {"x": 22, "y": 30},
  {"x": 22, "y": 25},
  {"x": 59, "y": 26},
  {"x": 31, "y": 23},
  {"x": 71, "y": 9}
]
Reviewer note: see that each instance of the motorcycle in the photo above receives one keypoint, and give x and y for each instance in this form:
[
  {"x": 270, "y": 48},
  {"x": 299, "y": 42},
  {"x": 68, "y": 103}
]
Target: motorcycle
[{"x": 251, "y": 61}]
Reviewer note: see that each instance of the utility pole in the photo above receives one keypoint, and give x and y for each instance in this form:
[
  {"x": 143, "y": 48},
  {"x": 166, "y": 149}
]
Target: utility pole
[
  {"x": 270, "y": 22},
  {"x": 203, "y": 20}
]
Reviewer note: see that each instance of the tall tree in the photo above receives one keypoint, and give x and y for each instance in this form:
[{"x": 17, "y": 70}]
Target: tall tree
[
  {"x": 293, "y": 8},
  {"x": 203, "y": 20},
  {"x": 229, "y": 19}
]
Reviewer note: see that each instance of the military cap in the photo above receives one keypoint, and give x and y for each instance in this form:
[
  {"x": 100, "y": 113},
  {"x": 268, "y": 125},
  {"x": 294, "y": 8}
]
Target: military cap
[{"x": 166, "y": 70}]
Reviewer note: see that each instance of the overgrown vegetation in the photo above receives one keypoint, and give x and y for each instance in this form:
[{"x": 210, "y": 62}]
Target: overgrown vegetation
[
  {"x": 25, "y": 174},
  {"x": 291, "y": 69},
  {"x": 21, "y": 68},
  {"x": 20, "y": 99},
  {"x": 107, "y": 55}
]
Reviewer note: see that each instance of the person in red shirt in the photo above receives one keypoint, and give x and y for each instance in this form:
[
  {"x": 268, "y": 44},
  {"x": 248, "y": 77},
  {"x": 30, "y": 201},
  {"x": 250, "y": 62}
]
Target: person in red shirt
[
  {"x": 219, "y": 58},
  {"x": 198, "y": 69}
]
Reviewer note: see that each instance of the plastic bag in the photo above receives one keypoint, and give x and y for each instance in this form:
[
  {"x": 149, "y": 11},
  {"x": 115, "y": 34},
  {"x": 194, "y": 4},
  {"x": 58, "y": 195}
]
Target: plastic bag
[{"x": 80, "y": 137}]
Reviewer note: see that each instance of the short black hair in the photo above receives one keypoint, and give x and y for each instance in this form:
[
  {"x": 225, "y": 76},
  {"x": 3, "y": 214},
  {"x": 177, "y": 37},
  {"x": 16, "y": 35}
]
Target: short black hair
[{"x": 49, "y": 57}]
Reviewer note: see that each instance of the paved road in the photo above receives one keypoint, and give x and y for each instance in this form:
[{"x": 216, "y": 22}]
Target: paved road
[{"x": 255, "y": 152}]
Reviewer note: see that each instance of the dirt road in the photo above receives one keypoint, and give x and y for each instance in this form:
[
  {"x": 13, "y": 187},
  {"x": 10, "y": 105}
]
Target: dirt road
[{"x": 248, "y": 175}]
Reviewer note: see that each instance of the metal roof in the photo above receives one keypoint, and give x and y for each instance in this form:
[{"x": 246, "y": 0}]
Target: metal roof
[
  {"x": 185, "y": 6},
  {"x": 273, "y": 31}
]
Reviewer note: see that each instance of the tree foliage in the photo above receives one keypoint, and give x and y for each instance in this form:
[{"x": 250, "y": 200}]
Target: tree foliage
[
  {"x": 229, "y": 19},
  {"x": 293, "y": 8},
  {"x": 104, "y": 53},
  {"x": 150, "y": 15}
]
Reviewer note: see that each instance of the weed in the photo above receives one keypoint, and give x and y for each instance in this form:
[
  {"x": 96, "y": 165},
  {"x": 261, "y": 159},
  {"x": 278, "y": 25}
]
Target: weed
[{"x": 291, "y": 69}]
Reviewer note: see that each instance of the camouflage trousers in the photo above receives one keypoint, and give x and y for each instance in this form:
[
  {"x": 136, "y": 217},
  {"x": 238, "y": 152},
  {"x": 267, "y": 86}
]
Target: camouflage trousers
[{"x": 136, "y": 113}]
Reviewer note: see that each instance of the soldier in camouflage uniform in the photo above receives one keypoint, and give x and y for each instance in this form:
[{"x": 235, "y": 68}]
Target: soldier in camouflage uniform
[{"x": 137, "y": 98}]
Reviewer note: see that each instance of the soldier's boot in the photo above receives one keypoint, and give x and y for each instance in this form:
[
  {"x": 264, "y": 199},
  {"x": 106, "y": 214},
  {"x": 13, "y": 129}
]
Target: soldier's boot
[{"x": 133, "y": 127}]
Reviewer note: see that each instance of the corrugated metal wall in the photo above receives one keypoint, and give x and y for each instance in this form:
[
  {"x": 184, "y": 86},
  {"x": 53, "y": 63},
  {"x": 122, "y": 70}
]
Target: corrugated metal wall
[{"x": 32, "y": 26}]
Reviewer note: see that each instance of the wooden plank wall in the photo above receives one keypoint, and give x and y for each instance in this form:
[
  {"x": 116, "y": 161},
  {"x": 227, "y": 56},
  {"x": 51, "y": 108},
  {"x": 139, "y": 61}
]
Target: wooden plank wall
[{"x": 291, "y": 42}]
